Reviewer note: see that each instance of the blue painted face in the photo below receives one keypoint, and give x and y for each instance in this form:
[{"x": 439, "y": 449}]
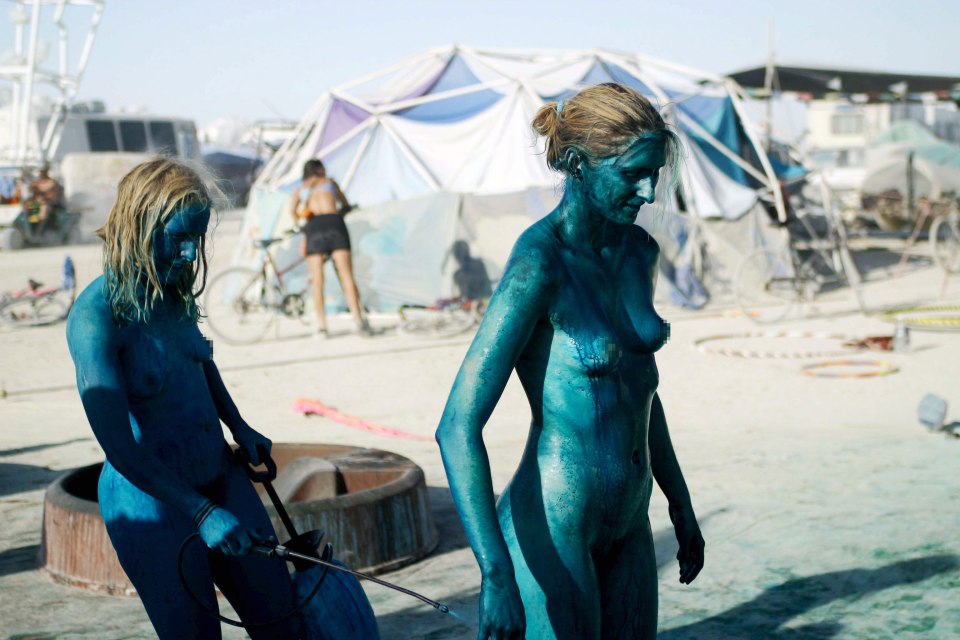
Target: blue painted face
[
  {"x": 618, "y": 186},
  {"x": 177, "y": 241}
]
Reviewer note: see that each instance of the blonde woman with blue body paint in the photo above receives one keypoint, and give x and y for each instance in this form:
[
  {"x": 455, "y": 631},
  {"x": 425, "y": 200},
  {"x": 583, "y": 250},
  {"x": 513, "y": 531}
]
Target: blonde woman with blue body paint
[
  {"x": 567, "y": 550},
  {"x": 157, "y": 405}
]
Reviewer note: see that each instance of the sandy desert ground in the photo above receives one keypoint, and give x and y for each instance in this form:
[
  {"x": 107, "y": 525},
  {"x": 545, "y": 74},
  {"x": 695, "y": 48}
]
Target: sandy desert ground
[{"x": 828, "y": 511}]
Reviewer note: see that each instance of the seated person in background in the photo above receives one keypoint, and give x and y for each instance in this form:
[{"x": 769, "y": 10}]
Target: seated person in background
[
  {"x": 470, "y": 279},
  {"x": 46, "y": 198}
]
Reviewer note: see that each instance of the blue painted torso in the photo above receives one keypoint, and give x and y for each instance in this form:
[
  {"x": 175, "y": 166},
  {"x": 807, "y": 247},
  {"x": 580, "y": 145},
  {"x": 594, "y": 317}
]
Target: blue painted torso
[
  {"x": 590, "y": 375},
  {"x": 171, "y": 410},
  {"x": 161, "y": 361}
]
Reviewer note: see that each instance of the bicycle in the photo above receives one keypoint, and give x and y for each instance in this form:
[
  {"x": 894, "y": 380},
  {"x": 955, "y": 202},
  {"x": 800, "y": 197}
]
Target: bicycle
[
  {"x": 443, "y": 319},
  {"x": 36, "y": 305},
  {"x": 241, "y": 303},
  {"x": 945, "y": 241},
  {"x": 768, "y": 283}
]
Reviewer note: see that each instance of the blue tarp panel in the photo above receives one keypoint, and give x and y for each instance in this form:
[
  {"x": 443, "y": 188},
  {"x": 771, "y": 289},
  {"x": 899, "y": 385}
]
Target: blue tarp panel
[
  {"x": 456, "y": 75},
  {"x": 786, "y": 172},
  {"x": 624, "y": 77},
  {"x": 560, "y": 96},
  {"x": 596, "y": 75},
  {"x": 453, "y": 109},
  {"x": 718, "y": 117}
]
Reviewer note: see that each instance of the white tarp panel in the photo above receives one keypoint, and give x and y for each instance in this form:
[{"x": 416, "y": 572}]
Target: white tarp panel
[
  {"x": 514, "y": 164},
  {"x": 402, "y": 83},
  {"x": 399, "y": 251},
  {"x": 384, "y": 173},
  {"x": 491, "y": 224},
  {"x": 442, "y": 147}
]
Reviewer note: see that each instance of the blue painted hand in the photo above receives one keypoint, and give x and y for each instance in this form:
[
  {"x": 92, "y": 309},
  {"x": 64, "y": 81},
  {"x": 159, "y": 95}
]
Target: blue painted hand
[
  {"x": 222, "y": 532},
  {"x": 691, "y": 552},
  {"x": 256, "y": 445},
  {"x": 501, "y": 610}
]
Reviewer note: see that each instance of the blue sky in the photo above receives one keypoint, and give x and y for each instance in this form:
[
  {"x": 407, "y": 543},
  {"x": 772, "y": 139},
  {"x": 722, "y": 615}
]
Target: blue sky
[{"x": 261, "y": 58}]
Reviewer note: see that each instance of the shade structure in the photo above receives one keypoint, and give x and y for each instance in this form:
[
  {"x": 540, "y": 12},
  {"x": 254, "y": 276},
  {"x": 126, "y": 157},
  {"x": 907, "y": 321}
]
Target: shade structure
[
  {"x": 823, "y": 81},
  {"x": 431, "y": 147}
]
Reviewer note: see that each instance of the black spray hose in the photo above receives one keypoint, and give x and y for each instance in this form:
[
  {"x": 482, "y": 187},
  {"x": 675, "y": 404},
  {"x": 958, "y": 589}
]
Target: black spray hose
[
  {"x": 224, "y": 619},
  {"x": 280, "y": 551},
  {"x": 271, "y": 550}
]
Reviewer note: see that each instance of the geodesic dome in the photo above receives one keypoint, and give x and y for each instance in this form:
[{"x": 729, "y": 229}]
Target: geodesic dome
[{"x": 447, "y": 135}]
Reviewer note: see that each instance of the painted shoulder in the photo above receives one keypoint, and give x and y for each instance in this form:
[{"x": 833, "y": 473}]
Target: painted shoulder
[
  {"x": 538, "y": 242},
  {"x": 535, "y": 253},
  {"x": 91, "y": 317}
]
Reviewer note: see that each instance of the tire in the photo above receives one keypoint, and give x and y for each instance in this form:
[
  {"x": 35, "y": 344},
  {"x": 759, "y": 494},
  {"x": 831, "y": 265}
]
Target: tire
[
  {"x": 11, "y": 239},
  {"x": 239, "y": 306},
  {"x": 433, "y": 323},
  {"x": 73, "y": 236},
  {"x": 765, "y": 286},
  {"x": 945, "y": 243},
  {"x": 34, "y": 311}
]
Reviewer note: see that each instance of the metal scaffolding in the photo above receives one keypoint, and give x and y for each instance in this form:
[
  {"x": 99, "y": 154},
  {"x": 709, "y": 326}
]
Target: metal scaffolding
[{"x": 22, "y": 70}]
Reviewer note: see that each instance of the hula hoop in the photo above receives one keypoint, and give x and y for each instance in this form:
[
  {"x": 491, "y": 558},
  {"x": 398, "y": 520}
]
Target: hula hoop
[
  {"x": 927, "y": 322},
  {"x": 883, "y": 368},
  {"x": 778, "y": 355}
]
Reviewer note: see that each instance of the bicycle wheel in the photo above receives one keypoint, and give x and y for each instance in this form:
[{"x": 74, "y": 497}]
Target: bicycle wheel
[
  {"x": 435, "y": 323},
  {"x": 239, "y": 305},
  {"x": 765, "y": 286},
  {"x": 945, "y": 243},
  {"x": 34, "y": 311}
]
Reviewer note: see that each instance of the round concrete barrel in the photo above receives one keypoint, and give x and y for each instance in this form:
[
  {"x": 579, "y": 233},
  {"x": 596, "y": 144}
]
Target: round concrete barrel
[{"x": 371, "y": 504}]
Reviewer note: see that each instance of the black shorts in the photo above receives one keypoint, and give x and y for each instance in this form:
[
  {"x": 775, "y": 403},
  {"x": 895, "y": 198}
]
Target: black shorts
[{"x": 326, "y": 233}]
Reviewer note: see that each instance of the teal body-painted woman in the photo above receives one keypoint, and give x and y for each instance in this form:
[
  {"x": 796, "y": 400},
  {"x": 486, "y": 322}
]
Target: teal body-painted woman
[
  {"x": 155, "y": 401},
  {"x": 567, "y": 550}
]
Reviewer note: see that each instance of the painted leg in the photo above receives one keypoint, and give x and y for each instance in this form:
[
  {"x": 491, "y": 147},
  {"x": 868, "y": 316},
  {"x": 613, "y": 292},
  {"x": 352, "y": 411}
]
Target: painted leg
[
  {"x": 147, "y": 535},
  {"x": 343, "y": 260},
  {"x": 556, "y": 577},
  {"x": 315, "y": 267},
  {"x": 259, "y": 589},
  {"x": 628, "y": 589}
]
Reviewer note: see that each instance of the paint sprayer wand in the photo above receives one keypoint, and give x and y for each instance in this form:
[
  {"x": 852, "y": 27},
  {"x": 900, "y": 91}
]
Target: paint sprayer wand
[{"x": 270, "y": 550}]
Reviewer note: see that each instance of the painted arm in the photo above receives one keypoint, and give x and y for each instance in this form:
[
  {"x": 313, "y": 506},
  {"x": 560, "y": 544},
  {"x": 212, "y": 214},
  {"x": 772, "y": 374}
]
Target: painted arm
[
  {"x": 519, "y": 302},
  {"x": 345, "y": 207},
  {"x": 244, "y": 435},
  {"x": 667, "y": 473},
  {"x": 94, "y": 343}
]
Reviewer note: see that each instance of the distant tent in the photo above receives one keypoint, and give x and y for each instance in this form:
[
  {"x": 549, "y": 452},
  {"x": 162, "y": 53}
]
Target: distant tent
[
  {"x": 439, "y": 148},
  {"x": 907, "y": 132},
  {"x": 936, "y": 163},
  {"x": 234, "y": 168},
  {"x": 907, "y": 160}
]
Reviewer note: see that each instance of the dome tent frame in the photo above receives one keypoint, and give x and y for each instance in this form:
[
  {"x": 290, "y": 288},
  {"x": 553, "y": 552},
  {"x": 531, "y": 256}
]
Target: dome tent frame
[{"x": 456, "y": 121}]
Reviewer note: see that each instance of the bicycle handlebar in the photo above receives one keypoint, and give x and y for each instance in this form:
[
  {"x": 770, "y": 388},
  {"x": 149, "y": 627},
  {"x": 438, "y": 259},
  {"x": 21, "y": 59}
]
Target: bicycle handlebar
[{"x": 263, "y": 243}]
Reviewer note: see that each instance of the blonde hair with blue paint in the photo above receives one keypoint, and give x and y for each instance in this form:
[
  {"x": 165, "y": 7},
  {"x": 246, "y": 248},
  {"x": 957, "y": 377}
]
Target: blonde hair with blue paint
[
  {"x": 147, "y": 198},
  {"x": 602, "y": 121}
]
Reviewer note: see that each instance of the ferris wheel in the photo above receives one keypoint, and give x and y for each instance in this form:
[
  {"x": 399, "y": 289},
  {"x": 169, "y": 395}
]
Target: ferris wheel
[{"x": 40, "y": 76}]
